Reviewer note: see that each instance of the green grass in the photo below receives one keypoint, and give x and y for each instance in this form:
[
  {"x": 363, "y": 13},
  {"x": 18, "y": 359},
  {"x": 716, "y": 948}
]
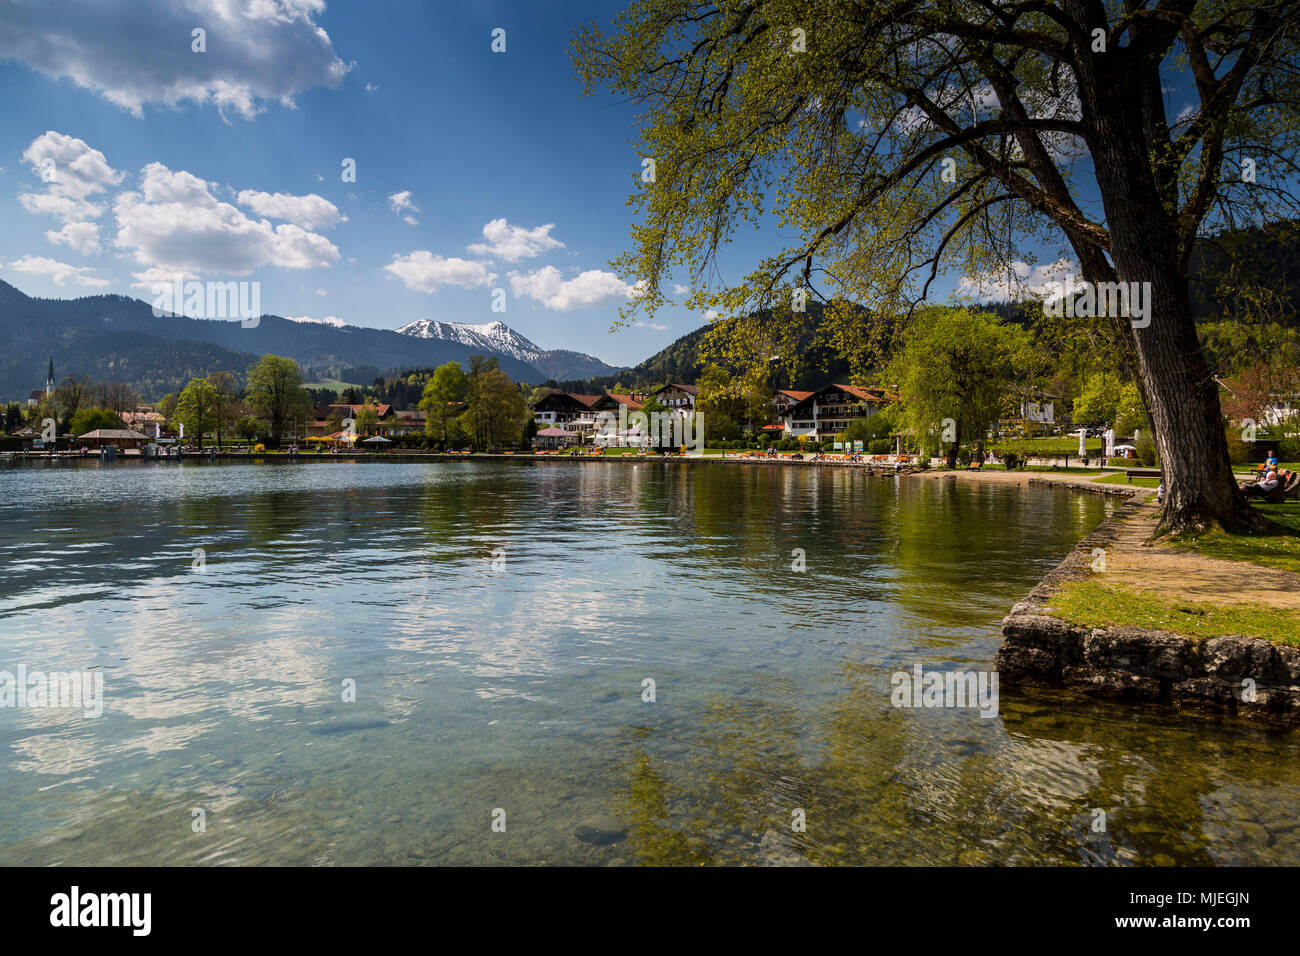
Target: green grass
[
  {"x": 1060, "y": 445},
  {"x": 1117, "y": 478},
  {"x": 1248, "y": 470},
  {"x": 1092, "y": 603},
  {"x": 1274, "y": 550}
]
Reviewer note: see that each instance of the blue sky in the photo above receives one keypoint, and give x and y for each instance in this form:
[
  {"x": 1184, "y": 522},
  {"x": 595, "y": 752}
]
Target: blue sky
[
  {"x": 475, "y": 170},
  {"x": 465, "y": 138}
]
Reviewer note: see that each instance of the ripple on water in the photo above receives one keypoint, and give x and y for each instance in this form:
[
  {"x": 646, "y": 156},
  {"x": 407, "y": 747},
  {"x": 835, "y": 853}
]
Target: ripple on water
[{"x": 624, "y": 660}]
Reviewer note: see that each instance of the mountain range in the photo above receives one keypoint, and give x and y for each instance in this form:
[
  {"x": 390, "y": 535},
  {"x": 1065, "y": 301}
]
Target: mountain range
[
  {"x": 118, "y": 338},
  {"x": 497, "y": 338}
]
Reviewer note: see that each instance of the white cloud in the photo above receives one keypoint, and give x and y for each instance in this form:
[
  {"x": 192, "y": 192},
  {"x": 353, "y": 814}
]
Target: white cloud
[
  {"x": 61, "y": 207},
  {"x": 311, "y": 212},
  {"x": 422, "y": 271},
  {"x": 401, "y": 204},
  {"x": 177, "y": 223},
  {"x": 513, "y": 243},
  {"x": 1019, "y": 281},
  {"x": 650, "y": 325},
  {"x": 679, "y": 289},
  {"x": 82, "y": 237},
  {"x": 59, "y": 272},
  {"x": 547, "y": 286},
  {"x": 71, "y": 172},
  {"x": 78, "y": 170},
  {"x": 372, "y": 87},
  {"x": 151, "y": 277},
  {"x": 141, "y": 52}
]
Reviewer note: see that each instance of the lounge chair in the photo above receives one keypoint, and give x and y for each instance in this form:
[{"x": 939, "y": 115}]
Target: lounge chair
[{"x": 1286, "y": 486}]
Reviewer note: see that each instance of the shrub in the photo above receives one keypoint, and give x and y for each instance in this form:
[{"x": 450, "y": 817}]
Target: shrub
[
  {"x": 1240, "y": 452},
  {"x": 1146, "y": 450},
  {"x": 259, "y": 448}
]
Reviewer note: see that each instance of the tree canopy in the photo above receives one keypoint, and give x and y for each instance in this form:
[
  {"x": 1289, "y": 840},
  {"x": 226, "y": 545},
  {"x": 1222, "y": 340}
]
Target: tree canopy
[
  {"x": 957, "y": 371},
  {"x": 276, "y": 394},
  {"x": 892, "y": 141}
]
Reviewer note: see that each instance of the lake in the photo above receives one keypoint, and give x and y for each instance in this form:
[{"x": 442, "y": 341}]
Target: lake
[{"x": 572, "y": 663}]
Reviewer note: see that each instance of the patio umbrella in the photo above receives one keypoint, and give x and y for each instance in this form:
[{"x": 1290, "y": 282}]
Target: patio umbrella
[{"x": 377, "y": 440}]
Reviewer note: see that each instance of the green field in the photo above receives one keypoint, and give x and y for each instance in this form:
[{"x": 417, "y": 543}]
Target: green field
[{"x": 334, "y": 384}]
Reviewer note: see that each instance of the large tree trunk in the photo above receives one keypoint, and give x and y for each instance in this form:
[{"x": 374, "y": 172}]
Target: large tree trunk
[
  {"x": 1183, "y": 400},
  {"x": 1180, "y": 392}
]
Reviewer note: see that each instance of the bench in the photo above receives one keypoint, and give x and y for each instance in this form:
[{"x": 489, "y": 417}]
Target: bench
[{"x": 1131, "y": 473}]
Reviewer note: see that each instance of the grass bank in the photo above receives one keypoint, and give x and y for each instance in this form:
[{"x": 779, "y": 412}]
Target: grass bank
[
  {"x": 1091, "y": 603},
  {"x": 1277, "y": 549}
]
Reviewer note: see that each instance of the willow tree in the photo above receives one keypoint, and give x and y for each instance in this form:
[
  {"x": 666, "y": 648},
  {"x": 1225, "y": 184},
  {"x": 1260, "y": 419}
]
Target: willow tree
[{"x": 900, "y": 140}]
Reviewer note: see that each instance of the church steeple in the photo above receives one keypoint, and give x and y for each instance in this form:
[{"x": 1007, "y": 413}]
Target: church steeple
[{"x": 49, "y": 379}]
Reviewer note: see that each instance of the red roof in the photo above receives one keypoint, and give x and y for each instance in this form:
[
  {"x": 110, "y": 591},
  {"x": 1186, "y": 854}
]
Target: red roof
[
  {"x": 868, "y": 394},
  {"x": 381, "y": 410},
  {"x": 794, "y": 393}
]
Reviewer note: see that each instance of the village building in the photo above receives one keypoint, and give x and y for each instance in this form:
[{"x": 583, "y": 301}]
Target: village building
[
  {"x": 561, "y": 409},
  {"x": 1038, "y": 407},
  {"x": 829, "y": 410},
  {"x": 680, "y": 398},
  {"x": 119, "y": 437},
  {"x": 783, "y": 399},
  {"x": 1277, "y": 408},
  {"x": 410, "y": 422},
  {"x": 613, "y": 401},
  {"x": 549, "y": 438},
  {"x": 144, "y": 421},
  {"x": 38, "y": 395}
]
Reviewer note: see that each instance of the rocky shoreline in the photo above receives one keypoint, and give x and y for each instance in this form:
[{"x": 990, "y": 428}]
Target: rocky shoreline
[{"x": 1246, "y": 677}]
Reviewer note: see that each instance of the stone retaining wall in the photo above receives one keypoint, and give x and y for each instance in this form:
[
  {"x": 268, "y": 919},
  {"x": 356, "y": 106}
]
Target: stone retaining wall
[{"x": 1200, "y": 675}]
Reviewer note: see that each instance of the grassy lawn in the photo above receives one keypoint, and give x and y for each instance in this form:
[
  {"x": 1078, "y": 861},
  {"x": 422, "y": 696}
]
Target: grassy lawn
[
  {"x": 1091, "y": 603},
  {"x": 1038, "y": 469},
  {"x": 1248, "y": 470},
  {"x": 1279, "y": 550},
  {"x": 1117, "y": 478},
  {"x": 1061, "y": 445}
]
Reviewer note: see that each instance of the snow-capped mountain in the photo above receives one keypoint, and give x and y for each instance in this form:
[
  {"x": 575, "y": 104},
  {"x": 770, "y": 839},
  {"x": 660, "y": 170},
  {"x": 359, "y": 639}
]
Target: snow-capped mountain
[
  {"x": 497, "y": 338},
  {"x": 490, "y": 336}
]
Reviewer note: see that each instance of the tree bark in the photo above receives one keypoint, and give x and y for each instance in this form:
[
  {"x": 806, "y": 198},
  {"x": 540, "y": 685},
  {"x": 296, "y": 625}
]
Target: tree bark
[{"x": 1181, "y": 394}]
